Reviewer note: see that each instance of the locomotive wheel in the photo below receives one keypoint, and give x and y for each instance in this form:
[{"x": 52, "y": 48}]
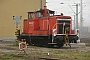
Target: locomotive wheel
[
  {"x": 60, "y": 42},
  {"x": 50, "y": 45},
  {"x": 40, "y": 44},
  {"x": 75, "y": 39}
]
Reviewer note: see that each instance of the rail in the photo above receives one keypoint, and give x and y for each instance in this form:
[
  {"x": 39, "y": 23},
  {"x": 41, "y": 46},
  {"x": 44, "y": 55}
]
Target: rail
[{"x": 45, "y": 58}]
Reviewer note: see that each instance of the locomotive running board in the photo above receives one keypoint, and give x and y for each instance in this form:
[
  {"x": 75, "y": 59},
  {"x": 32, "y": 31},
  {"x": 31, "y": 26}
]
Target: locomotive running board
[
  {"x": 52, "y": 43},
  {"x": 69, "y": 34}
]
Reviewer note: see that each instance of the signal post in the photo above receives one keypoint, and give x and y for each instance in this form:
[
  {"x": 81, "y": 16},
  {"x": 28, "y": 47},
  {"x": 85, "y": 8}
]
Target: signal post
[{"x": 17, "y": 32}]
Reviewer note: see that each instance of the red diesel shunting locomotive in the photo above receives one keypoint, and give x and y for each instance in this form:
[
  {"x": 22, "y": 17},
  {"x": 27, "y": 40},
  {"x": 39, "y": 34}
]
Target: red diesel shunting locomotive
[{"x": 43, "y": 28}]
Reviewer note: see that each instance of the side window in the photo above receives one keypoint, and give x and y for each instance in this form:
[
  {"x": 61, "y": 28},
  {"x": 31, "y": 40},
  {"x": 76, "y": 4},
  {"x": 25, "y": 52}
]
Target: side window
[{"x": 38, "y": 14}]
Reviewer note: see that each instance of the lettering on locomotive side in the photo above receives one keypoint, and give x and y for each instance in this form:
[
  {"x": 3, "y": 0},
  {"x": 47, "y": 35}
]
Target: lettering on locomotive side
[{"x": 31, "y": 23}]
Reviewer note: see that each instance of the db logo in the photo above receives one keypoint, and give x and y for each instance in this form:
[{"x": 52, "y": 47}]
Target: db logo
[{"x": 31, "y": 23}]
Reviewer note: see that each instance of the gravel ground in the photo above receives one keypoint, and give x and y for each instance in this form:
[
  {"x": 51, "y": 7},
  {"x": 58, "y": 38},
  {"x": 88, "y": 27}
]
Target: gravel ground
[
  {"x": 10, "y": 45},
  {"x": 8, "y": 48}
]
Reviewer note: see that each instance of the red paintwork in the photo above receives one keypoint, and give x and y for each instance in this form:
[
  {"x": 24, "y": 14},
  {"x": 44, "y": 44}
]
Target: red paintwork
[
  {"x": 72, "y": 32},
  {"x": 44, "y": 24},
  {"x": 25, "y": 29}
]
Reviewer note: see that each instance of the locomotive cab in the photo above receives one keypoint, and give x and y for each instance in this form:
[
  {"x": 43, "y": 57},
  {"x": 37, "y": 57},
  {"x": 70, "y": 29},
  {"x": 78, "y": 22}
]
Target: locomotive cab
[{"x": 40, "y": 13}]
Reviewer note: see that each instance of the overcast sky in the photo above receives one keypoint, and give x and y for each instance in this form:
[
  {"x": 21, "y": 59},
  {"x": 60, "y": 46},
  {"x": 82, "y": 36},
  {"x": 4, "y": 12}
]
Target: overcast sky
[{"x": 68, "y": 9}]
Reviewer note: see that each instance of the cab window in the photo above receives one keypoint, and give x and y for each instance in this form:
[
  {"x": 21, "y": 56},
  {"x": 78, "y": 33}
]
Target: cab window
[
  {"x": 31, "y": 15},
  {"x": 50, "y": 14}
]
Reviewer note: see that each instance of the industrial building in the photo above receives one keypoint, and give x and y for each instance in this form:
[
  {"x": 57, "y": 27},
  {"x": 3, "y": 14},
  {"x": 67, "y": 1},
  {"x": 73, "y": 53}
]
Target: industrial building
[{"x": 10, "y": 8}]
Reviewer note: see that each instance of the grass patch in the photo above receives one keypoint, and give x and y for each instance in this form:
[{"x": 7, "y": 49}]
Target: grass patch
[
  {"x": 12, "y": 57},
  {"x": 13, "y": 45},
  {"x": 67, "y": 55}
]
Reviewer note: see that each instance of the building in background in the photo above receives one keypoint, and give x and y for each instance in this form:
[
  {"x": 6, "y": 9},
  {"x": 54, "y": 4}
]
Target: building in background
[{"x": 10, "y": 8}]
